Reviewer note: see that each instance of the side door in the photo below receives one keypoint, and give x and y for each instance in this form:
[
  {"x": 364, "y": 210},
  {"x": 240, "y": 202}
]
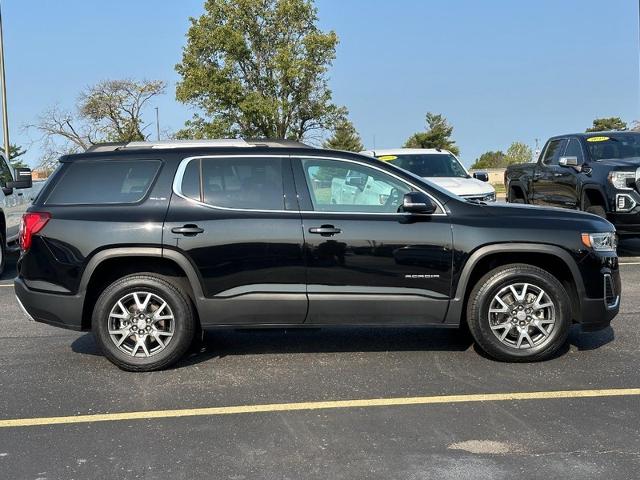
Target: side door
[
  {"x": 12, "y": 204},
  {"x": 366, "y": 262},
  {"x": 567, "y": 177},
  {"x": 546, "y": 190},
  {"x": 236, "y": 219}
]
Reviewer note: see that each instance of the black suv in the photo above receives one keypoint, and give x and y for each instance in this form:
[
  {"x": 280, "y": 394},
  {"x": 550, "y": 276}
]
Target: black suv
[
  {"x": 146, "y": 244},
  {"x": 596, "y": 172}
]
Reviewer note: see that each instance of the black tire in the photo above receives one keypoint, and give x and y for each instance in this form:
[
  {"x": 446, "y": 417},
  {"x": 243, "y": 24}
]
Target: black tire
[
  {"x": 597, "y": 210},
  {"x": 184, "y": 323},
  {"x": 3, "y": 253},
  {"x": 483, "y": 295}
]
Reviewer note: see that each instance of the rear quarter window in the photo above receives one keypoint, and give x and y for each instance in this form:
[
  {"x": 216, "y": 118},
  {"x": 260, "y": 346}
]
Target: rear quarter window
[{"x": 98, "y": 182}]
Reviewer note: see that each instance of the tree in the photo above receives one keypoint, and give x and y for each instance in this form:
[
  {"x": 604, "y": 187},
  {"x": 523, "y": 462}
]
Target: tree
[
  {"x": 518, "y": 152},
  {"x": 438, "y": 135},
  {"x": 110, "y": 111},
  {"x": 257, "y": 68},
  {"x": 345, "y": 137},
  {"x": 16, "y": 151},
  {"x": 490, "y": 160},
  {"x": 609, "y": 123}
]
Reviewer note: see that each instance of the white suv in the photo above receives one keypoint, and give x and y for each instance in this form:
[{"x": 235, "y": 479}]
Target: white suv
[{"x": 440, "y": 167}]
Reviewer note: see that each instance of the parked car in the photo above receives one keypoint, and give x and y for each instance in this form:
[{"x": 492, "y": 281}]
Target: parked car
[
  {"x": 594, "y": 172},
  {"x": 440, "y": 167},
  {"x": 146, "y": 243},
  {"x": 16, "y": 193}
]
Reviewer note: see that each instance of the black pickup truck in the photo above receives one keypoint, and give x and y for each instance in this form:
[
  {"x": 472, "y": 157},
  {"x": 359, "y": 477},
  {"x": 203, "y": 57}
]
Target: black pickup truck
[{"x": 596, "y": 172}]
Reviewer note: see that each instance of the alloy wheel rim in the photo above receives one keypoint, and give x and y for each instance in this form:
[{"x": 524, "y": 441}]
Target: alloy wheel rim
[
  {"x": 522, "y": 316},
  {"x": 141, "y": 324}
]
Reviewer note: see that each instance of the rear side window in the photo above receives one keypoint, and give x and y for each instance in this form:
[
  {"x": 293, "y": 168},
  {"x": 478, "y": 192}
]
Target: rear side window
[
  {"x": 235, "y": 182},
  {"x": 104, "y": 182}
]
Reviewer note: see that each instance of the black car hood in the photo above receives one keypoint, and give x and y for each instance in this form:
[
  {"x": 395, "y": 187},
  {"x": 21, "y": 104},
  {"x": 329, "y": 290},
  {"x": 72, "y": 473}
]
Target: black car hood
[
  {"x": 631, "y": 163},
  {"x": 536, "y": 213}
]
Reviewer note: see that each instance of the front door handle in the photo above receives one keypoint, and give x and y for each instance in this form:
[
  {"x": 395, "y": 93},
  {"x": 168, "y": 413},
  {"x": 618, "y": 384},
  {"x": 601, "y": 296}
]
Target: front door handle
[
  {"x": 187, "y": 230},
  {"x": 325, "y": 230}
]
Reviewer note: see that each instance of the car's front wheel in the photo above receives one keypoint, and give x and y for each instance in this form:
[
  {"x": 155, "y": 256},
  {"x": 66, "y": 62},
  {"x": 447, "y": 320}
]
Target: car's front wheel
[
  {"x": 519, "y": 313},
  {"x": 143, "y": 322},
  {"x": 3, "y": 253}
]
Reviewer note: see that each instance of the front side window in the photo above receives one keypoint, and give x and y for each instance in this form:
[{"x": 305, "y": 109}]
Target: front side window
[
  {"x": 337, "y": 186},
  {"x": 428, "y": 164},
  {"x": 552, "y": 152},
  {"x": 235, "y": 182},
  {"x": 574, "y": 150},
  {"x": 95, "y": 182}
]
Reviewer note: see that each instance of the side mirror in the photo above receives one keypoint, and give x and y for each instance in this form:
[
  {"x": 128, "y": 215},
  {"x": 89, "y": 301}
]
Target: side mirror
[
  {"x": 23, "y": 179},
  {"x": 357, "y": 181},
  {"x": 568, "y": 161},
  {"x": 417, "y": 202},
  {"x": 482, "y": 176}
]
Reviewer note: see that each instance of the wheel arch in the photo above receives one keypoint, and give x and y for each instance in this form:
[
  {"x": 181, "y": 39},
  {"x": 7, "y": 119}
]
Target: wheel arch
[
  {"x": 516, "y": 185},
  {"x": 108, "y": 265},
  {"x": 491, "y": 256},
  {"x": 591, "y": 192}
]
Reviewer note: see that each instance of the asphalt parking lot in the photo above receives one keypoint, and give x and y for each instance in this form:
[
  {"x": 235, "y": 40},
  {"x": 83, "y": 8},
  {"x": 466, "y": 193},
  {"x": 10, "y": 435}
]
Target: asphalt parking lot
[{"x": 47, "y": 373}]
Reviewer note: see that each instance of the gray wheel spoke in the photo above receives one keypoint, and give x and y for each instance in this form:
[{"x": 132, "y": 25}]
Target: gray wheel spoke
[
  {"x": 141, "y": 324},
  {"x": 527, "y": 307}
]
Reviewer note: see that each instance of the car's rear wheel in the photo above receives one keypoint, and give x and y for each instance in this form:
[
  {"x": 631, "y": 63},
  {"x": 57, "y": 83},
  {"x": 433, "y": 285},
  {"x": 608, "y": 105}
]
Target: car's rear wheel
[
  {"x": 142, "y": 322},
  {"x": 519, "y": 313},
  {"x": 513, "y": 197}
]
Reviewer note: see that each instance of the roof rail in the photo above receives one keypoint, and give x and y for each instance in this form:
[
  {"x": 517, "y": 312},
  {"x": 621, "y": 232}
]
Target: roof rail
[{"x": 222, "y": 142}]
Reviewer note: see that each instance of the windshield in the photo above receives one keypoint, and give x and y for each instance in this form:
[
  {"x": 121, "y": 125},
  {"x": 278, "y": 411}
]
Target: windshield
[
  {"x": 617, "y": 145},
  {"x": 428, "y": 164}
]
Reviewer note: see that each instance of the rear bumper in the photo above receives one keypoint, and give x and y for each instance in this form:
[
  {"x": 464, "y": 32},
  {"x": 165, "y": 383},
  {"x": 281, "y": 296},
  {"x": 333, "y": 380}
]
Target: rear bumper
[{"x": 54, "y": 309}]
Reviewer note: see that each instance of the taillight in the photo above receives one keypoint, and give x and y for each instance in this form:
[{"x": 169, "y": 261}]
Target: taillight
[{"x": 32, "y": 223}]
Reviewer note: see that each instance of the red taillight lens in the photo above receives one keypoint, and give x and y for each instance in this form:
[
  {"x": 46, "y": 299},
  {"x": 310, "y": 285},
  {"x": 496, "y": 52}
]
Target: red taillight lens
[{"x": 32, "y": 223}]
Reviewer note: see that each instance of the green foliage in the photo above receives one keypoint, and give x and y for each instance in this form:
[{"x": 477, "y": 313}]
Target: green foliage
[
  {"x": 518, "y": 152},
  {"x": 607, "y": 124},
  {"x": 114, "y": 107},
  {"x": 345, "y": 137},
  {"x": 257, "y": 68},
  {"x": 16, "y": 151},
  {"x": 438, "y": 135},
  {"x": 490, "y": 160}
]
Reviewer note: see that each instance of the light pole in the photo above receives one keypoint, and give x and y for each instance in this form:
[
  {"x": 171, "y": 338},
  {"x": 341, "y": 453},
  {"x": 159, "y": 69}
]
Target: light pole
[
  {"x": 5, "y": 116},
  {"x": 157, "y": 124}
]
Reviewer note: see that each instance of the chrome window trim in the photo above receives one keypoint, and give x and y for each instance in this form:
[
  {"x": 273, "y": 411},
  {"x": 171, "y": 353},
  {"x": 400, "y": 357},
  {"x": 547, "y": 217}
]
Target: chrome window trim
[{"x": 177, "y": 186}]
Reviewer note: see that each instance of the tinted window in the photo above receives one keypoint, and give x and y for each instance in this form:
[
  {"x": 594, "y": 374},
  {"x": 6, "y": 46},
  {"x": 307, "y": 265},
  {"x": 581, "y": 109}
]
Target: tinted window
[
  {"x": 574, "y": 149},
  {"x": 428, "y": 165},
  {"x": 191, "y": 180},
  {"x": 5, "y": 173},
  {"x": 614, "y": 145},
  {"x": 337, "y": 186},
  {"x": 552, "y": 152},
  {"x": 247, "y": 183},
  {"x": 100, "y": 182}
]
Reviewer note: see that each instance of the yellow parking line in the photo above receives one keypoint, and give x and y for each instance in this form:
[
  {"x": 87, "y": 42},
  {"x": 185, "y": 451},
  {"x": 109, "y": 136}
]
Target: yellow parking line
[
  {"x": 289, "y": 407},
  {"x": 629, "y": 263},
  {"x": 6, "y": 284}
]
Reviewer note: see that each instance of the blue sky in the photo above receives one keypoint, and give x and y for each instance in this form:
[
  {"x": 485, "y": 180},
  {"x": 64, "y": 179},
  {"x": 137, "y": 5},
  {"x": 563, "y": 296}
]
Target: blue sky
[{"x": 499, "y": 70}]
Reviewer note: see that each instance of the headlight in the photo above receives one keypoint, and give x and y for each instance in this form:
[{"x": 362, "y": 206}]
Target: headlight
[
  {"x": 622, "y": 180},
  {"x": 600, "y": 242},
  {"x": 490, "y": 197}
]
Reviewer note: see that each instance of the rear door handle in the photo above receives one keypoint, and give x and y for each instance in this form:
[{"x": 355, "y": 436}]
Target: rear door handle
[
  {"x": 187, "y": 230},
  {"x": 325, "y": 230}
]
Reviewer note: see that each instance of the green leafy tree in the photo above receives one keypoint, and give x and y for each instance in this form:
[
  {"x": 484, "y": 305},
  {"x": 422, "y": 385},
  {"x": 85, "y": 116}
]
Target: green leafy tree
[
  {"x": 490, "y": 160},
  {"x": 16, "y": 151},
  {"x": 345, "y": 137},
  {"x": 258, "y": 68},
  {"x": 607, "y": 124},
  {"x": 518, "y": 152},
  {"x": 438, "y": 135}
]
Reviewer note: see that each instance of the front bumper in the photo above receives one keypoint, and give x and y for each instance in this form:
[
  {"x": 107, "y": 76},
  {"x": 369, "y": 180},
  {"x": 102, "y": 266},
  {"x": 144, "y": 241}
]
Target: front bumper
[
  {"x": 597, "y": 311},
  {"x": 54, "y": 309}
]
